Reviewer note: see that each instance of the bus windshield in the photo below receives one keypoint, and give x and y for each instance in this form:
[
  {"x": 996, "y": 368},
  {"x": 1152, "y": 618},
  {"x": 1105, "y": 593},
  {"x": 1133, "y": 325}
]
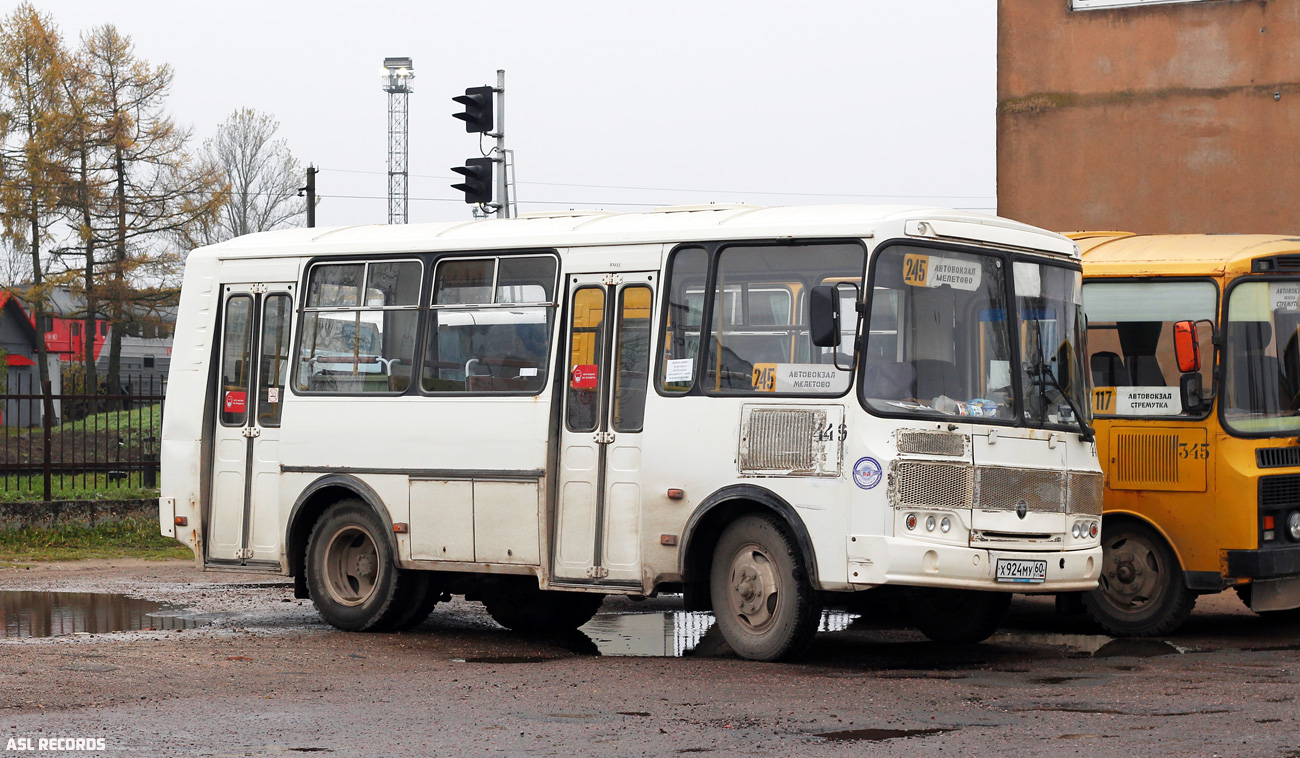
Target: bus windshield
[
  {"x": 1261, "y": 393},
  {"x": 940, "y": 341}
]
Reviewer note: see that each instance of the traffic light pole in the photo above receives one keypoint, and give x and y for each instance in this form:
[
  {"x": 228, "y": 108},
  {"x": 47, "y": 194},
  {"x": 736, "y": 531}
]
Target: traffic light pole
[{"x": 503, "y": 187}]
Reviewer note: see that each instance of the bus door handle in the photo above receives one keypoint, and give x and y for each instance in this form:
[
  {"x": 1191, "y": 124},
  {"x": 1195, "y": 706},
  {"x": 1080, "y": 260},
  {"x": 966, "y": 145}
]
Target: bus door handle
[
  {"x": 603, "y": 438},
  {"x": 251, "y": 431}
]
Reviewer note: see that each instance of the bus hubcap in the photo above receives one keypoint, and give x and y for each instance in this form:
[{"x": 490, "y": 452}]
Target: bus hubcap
[
  {"x": 1133, "y": 575},
  {"x": 755, "y": 587},
  {"x": 351, "y": 566}
]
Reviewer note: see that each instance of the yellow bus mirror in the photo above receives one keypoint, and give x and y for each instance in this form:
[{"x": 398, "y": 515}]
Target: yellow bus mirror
[{"x": 1187, "y": 348}]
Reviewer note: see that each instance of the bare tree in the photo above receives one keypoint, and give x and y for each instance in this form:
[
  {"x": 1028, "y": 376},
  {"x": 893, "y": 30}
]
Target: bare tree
[
  {"x": 156, "y": 189},
  {"x": 262, "y": 174}
]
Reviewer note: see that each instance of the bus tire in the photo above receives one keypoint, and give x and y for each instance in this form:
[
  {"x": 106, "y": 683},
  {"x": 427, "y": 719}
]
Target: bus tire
[
  {"x": 531, "y": 610},
  {"x": 417, "y": 595},
  {"x": 1141, "y": 591},
  {"x": 351, "y": 572},
  {"x": 956, "y": 616},
  {"x": 764, "y": 603}
]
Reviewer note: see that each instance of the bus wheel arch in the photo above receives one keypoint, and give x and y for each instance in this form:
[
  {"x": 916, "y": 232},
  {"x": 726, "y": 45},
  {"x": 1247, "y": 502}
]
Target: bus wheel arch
[
  {"x": 713, "y": 516},
  {"x": 311, "y": 505},
  {"x": 1143, "y": 591}
]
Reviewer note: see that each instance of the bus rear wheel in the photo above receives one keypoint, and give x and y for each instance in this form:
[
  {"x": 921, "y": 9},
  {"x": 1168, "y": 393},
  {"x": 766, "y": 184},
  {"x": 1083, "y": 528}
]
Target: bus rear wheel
[
  {"x": 1141, "y": 591},
  {"x": 352, "y": 574},
  {"x": 959, "y": 616},
  {"x": 762, "y": 598},
  {"x": 528, "y": 609}
]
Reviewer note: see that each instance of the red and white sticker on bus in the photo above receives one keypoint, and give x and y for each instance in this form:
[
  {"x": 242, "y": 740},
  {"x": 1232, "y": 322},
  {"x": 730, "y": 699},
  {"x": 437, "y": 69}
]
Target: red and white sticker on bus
[
  {"x": 235, "y": 401},
  {"x": 584, "y": 376}
]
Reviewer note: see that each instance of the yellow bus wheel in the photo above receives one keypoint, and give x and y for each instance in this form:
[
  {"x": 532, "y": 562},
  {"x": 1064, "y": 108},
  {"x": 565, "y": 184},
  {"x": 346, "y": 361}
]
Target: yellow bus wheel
[{"x": 1141, "y": 591}]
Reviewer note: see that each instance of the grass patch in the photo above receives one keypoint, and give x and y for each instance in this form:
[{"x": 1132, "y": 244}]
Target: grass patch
[
  {"x": 140, "y": 419},
  {"x": 129, "y": 538},
  {"x": 93, "y": 486}
]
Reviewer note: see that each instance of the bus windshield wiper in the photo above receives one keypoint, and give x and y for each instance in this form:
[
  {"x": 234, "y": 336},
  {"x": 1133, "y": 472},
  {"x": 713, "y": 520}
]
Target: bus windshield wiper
[{"x": 1041, "y": 368}]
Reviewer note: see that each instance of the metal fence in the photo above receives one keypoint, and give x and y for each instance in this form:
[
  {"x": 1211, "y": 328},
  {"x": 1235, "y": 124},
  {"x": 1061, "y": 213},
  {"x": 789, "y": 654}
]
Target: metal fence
[{"x": 90, "y": 445}]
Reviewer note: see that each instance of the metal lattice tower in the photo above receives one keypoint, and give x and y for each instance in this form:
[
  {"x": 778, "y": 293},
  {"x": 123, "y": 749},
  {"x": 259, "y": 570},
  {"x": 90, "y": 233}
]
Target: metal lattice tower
[{"x": 397, "y": 83}]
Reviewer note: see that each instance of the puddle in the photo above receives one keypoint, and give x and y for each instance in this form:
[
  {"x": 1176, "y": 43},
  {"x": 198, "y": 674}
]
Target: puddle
[
  {"x": 876, "y": 735},
  {"x": 1137, "y": 648},
  {"x": 1056, "y": 679},
  {"x": 506, "y": 659},
  {"x": 674, "y": 634},
  {"x": 1088, "y": 644},
  {"x": 55, "y": 614},
  {"x": 1095, "y": 645}
]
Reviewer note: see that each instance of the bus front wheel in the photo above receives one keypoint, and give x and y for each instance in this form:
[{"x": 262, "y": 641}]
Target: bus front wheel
[
  {"x": 762, "y": 598},
  {"x": 352, "y": 574},
  {"x": 1141, "y": 591}
]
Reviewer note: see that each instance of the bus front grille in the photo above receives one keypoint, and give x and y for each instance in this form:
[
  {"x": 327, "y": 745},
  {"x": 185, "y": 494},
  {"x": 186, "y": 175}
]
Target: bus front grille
[
  {"x": 917, "y": 484},
  {"x": 1083, "y": 494},
  {"x": 1279, "y": 491},
  {"x": 1277, "y": 457},
  {"x": 1003, "y": 489}
]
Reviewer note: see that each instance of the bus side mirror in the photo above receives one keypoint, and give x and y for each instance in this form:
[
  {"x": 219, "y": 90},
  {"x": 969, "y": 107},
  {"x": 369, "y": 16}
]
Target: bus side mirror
[
  {"x": 1187, "y": 347},
  {"x": 1189, "y": 387},
  {"x": 824, "y": 315}
]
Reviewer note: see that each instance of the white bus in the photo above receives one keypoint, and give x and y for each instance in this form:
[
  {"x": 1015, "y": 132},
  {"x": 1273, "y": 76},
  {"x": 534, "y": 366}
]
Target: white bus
[{"x": 538, "y": 412}]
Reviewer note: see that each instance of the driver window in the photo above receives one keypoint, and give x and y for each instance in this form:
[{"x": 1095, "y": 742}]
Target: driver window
[{"x": 1131, "y": 343}]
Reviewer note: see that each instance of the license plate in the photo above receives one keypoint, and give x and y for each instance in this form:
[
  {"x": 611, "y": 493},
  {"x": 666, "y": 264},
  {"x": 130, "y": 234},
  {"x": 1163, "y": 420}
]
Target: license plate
[{"x": 1020, "y": 570}]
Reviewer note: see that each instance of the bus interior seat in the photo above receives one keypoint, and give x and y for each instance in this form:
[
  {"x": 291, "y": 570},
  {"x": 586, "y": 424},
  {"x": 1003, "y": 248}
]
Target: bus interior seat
[
  {"x": 1145, "y": 370},
  {"x": 935, "y": 378},
  {"x": 891, "y": 381},
  {"x": 1108, "y": 370}
]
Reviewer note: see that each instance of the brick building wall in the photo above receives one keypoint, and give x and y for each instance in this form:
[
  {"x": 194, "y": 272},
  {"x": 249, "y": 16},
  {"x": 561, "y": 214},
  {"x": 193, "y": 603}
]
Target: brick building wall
[{"x": 1164, "y": 117}]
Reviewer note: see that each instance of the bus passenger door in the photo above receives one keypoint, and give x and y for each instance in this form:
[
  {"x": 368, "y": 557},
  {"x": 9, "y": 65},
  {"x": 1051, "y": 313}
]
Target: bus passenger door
[
  {"x": 243, "y": 519},
  {"x": 598, "y": 523}
]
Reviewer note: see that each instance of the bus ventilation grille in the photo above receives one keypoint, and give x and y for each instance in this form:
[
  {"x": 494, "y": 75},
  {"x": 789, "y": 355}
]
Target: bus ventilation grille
[
  {"x": 784, "y": 441},
  {"x": 913, "y": 484},
  {"x": 1279, "y": 491},
  {"x": 1146, "y": 458},
  {"x": 1002, "y": 489},
  {"x": 1277, "y": 457},
  {"x": 932, "y": 443}
]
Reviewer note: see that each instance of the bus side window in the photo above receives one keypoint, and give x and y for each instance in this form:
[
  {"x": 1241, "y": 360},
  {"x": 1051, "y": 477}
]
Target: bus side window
[
  {"x": 631, "y": 372},
  {"x": 490, "y": 325},
  {"x": 235, "y": 360},
  {"x": 360, "y": 338}
]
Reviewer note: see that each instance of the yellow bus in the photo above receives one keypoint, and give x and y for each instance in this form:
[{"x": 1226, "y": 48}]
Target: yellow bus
[{"x": 1194, "y": 351}]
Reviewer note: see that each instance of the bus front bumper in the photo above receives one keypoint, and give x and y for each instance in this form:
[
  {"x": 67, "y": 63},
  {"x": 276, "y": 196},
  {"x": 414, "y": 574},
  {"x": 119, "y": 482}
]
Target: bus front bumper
[
  {"x": 1271, "y": 563},
  {"x": 875, "y": 560}
]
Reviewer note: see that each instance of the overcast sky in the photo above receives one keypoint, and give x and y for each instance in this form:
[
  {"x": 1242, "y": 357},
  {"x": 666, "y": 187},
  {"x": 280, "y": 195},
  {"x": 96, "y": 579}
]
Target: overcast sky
[{"x": 613, "y": 105}]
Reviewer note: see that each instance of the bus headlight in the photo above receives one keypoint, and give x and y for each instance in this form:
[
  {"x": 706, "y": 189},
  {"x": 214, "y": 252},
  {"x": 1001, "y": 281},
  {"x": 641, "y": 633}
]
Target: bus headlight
[
  {"x": 945, "y": 525},
  {"x": 910, "y": 521},
  {"x": 929, "y": 523},
  {"x": 1092, "y": 529},
  {"x": 1076, "y": 531},
  {"x": 1293, "y": 525}
]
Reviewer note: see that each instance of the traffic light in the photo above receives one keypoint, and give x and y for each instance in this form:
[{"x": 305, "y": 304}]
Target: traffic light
[
  {"x": 478, "y": 109},
  {"x": 478, "y": 180}
]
